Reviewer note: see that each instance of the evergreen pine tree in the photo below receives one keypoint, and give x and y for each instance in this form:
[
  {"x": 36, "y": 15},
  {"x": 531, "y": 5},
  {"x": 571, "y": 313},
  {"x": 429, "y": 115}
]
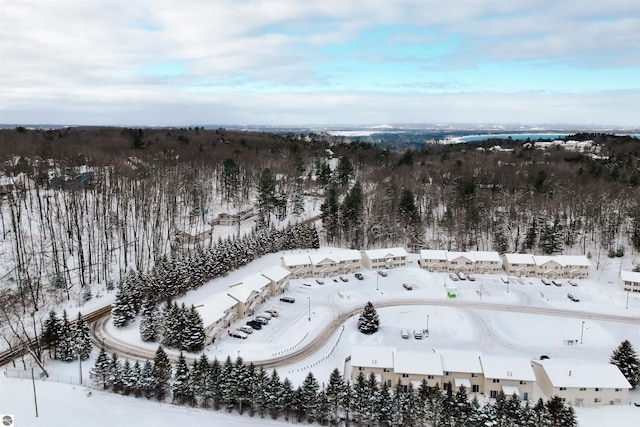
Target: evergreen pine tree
[
  {"x": 115, "y": 373},
  {"x": 194, "y": 331},
  {"x": 147, "y": 380},
  {"x": 322, "y": 409},
  {"x": 172, "y": 323},
  {"x": 182, "y": 382},
  {"x": 161, "y": 373},
  {"x": 261, "y": 393},
  {"x": 309, "y": 396},
  {"x": 200, "y": 374},
  {"x": 626, "y": 359},
  {"x": 128, "y": 382},
  {"x": 463, "y": 406},
  {"x": 66, "y": 344},
  {"x": 360, "y": 398},
  {"x": 213, "y": 391},
  {"x": 368, "y": 322},
  {"x": 50, "y": 337},
  {"x": 149, "y": 322},
  {"x": 82, "y": 344},
  {"x": 558, "y": 415},
  {"x": 100, "y": 372},
  {"x": 227, "y": 385},
  {"x": 335, "y": 392},
  {"x": 539, "y": 411},
  {"x": 136, "y": 379},
  {"x": 275, "y": 402},
  {"x": 288, "y": 397},
  {"x": 383, "y": 405}
]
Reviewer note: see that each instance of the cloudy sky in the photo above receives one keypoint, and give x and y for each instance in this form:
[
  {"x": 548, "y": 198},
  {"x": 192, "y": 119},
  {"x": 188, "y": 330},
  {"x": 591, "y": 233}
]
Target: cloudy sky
[{"x": 166, "y": 62}]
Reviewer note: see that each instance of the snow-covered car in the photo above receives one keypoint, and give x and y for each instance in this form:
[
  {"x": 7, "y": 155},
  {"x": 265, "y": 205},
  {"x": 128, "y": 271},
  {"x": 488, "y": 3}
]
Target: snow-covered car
[
  {"x": 254, "y": 325},
  {"x": 382, "y": 273},
  {"x": 546, "y": 282},
  {"x": 359, "y": 276},
  {"x": 454, "y": 277},
  {"x": 266, "y": 315},
  {"x": 572, "y": 282},
  {"x": 320, "y": 282},
  {"x": 261, "y": 320},
  {"x": 344, "y": 278},
  {"x": 246, "y": 329},
  {"x": 462, "y": 276},
  {"x": 237, "y": 334},
  {"x": 572, "y": 298},
  {"x": 273, "y": 313},
  {"x": 417, "y": 334},
  {"x": 290, "y": 300},
  {"x": 471, "y": 277},
  {"x": 407, "y": 286},
  {"x": 505, "y": 279},
  {"x": 556, "y": 282},
  {"x": 404, "y": 334}
]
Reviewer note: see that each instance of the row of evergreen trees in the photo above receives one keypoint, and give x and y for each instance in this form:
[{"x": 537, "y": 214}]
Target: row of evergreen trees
[
  {"x": 173, "y": 277},
  {"x": 66, "y": 340},
  {"x": 245, "y": 388}
]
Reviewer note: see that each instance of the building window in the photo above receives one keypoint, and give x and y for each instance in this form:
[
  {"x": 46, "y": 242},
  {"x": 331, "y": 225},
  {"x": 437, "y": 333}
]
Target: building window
[
  {"x": 617, "y": 400},
  {"x": 598, "y": 389},
  {"x": 430, "y": 377},
  {"x": 523, "y": 382},
  {"x": 360, "y": 368},
  {"x": 563, "y": 389},
  {"x": 493, "y": 394},
  {"x": 597, "y": 400},
  {"x": 583, "y": 389},
  {"x": 474, "y": 375},
  {"x": 386, "y": 370},
  {"x": 496, "y": 380},
  {"x": 475, "y": 388},
  {"x": 618, "y": 389},
  {"x": 405, "y": 375},
  {"x": 447, "y": 374}
]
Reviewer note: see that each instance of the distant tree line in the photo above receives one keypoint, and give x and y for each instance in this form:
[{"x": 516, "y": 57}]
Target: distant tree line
[{"x": 236, "y": 386}]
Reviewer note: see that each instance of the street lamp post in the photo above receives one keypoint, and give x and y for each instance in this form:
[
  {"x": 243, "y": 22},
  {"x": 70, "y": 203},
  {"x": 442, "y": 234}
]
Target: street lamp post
[
  {"x": 377, "y": 281},
  {"x": 427, "y": 323},
  {"x": 582, "y": 332},
  {"x": 627, "y": 306},
  {"x": 309, "y": 299}
]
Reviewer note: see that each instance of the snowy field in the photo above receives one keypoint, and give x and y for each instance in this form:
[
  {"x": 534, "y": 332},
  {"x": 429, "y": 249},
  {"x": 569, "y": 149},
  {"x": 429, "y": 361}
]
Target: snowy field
[{"x": 487, "y": 316}]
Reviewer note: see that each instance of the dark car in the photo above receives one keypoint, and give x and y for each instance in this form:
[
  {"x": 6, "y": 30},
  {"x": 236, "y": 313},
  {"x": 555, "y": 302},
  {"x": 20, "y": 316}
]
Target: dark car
[
  {"x": 254, "y": 324},
  {"x": 407, "y": 286},
  {"x": 359, "y": 276}
]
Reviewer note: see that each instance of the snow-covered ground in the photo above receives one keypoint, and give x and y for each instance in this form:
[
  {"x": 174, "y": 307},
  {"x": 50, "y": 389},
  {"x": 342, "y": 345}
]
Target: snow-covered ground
[{"x": 487, "y": 316}]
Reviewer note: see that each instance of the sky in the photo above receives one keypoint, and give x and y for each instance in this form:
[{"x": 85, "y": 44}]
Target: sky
[{"x": 291, "y": 62}]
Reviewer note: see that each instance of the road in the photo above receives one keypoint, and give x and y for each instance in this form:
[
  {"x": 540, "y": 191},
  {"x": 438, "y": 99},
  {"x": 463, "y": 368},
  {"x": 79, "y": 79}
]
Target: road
[{"x": 101, "y": 336}]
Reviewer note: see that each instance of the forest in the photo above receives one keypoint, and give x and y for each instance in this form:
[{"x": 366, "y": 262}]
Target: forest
[{"x": 82, "y": 206}]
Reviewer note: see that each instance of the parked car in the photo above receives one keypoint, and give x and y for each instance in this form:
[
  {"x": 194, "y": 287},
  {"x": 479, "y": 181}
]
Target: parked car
[
  {"x": 359, "y": 276},
  {"x": 320, "y": 282},
  {"x": 254, "y": 325},
  {"x": 417, "y": 334},
  {"x": 407, "y": 286},
  {"x": 246, "y": 329},
  {"x": 308, "y": 285},
  {"x": 344, "y": 278},
  {"x": 572, "y": 298},
  {"x": 462, "y": 276},
  {"x": 572, "y": 282},
  {"x": 382, "y": 273},
  {"x": 237, "y": 334},
  {"x": 261, "y": 320},
  {"x": 290, "y": 300},
  {"x": 404, "y": 334},
  {"x": 266, "y": 315},
  {"x": 273, "y": 313},
  {"x": 546, "y": 282},
  {"x": 544, "y": 357},
  {"x": 505, "y": 279},
  {"x": 557, "y": 283},
  {"x": 471, "y": 277},
  {"x": 454, "y": 277}
]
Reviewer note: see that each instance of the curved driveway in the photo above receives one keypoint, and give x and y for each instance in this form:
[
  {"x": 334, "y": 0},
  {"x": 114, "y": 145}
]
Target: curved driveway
[{"x": 101, "y": 338}]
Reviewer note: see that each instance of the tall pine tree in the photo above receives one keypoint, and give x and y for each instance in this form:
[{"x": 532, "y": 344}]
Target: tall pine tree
[
  {"x": 626, "y": 359},
  {"x": 368, "y": 322}
]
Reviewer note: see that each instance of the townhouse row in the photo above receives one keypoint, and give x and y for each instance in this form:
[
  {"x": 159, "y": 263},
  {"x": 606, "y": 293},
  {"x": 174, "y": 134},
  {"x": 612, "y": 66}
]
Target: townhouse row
[
  {"x": 552, "y": 267},
  {"x": 576, "y": 382},
  {"x": 630, "y": 281}
]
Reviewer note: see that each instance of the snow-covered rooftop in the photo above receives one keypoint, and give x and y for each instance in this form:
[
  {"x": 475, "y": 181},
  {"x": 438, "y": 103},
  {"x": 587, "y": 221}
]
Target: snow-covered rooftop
[
  {"x": 243, "y": 290},
  {"x": 433, "y": 254},
  {"x": 576, "y": 260},
  {"x": 519, "y": 258},
  {"x": 486, "y": 256},
  {"x": 293, "y": 260},
  {"x": 508, "y": 368},
  {"x": 417, "y": 362},
  {"x": 372, "y": 357},
  {"x": 213, "y": 308},
  {"x": 386, "y": 253},
  {"x": 349, "y": 255},
  {"x": 275, "y": 273},
  {"x": 630, "y": 276},
  {"x": 455, "y": 255},
  {"x": 322, "y": 258},
  {"x": 577, "y": 373},
  {"x": 544, "y": 259},
  {"x": 460, "y": 361}
]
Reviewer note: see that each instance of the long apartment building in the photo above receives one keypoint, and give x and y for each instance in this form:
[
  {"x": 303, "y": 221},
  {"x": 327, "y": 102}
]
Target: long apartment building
[
  {"x": 481, "y": 262},
  {"x": 544, "y": 266}
]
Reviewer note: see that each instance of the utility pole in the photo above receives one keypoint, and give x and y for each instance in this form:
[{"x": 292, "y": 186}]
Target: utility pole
[
  {"x": 582, "y": 332},
  {"x": 309, "y": 299},
  {"x": 35, "y": 399}
]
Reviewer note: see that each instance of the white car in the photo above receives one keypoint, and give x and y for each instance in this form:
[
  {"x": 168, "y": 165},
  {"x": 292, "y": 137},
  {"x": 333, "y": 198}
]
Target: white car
[
  {"x": 237, "y": 334},
  {"x": 246, "y": 329},
  {"x": 273, "y": 313},
  {"x": 417, "y": 334}
]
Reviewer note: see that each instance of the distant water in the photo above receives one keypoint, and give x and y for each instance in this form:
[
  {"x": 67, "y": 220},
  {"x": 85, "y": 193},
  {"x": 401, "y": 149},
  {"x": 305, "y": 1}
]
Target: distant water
[{"x": 515, "y": 136}]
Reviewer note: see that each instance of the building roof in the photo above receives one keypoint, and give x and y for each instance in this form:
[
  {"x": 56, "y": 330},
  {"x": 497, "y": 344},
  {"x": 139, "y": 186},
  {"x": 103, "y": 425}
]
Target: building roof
[
  {"x": 486, "y": 256},
  {"x": 461, "y": 361},
  {"x": 417, "y": 362},
  {"x": 544, "y": 259},
  {"x": 214, "y": 308},
  {"x": 519, "y": 258},
  {"x": 386, "y": 253},
  {"x": 433, "y": 254},
  {"x": 323, "y": 258},
  {"x": 372, "y": 357},
  {"x": 349, "y": 255},
  {"x": 576, "y": 260},
  {"x": 293, "y": 260},
  {"x": 576, "y": 373},
  {"x": 243, "y": 290},
  {"x": 275, "y": 273},
  {"x": 508, "y": 368},
  {"x": 455, "y": 255},
  {"x": 630, "y": 276}
]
